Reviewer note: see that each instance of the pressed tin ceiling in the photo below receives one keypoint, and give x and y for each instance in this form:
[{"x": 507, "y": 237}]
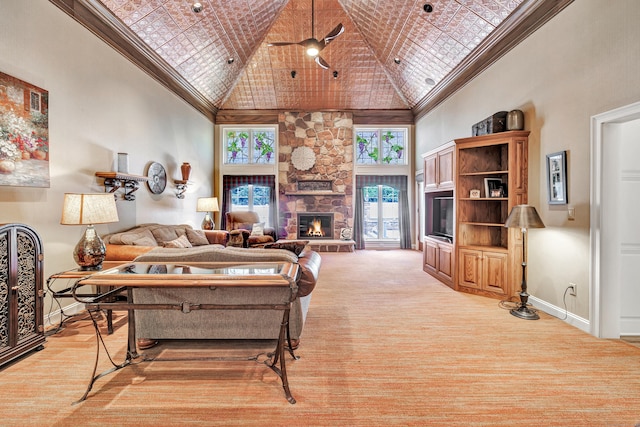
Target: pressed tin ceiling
[{"x": 393, "y": 55}]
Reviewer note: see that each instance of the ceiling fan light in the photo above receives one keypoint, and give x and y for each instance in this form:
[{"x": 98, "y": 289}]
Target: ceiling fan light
[{"x": 313, "y": 51}]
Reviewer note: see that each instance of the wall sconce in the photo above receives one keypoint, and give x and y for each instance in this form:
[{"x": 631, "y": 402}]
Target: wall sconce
[{"x": 181, "y": 184}]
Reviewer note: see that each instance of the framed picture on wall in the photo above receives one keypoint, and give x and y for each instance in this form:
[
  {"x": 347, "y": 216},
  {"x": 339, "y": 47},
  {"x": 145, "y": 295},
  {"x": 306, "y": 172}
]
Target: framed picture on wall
[
  {"x": 557, "y": 178},
  {"x": 24, "y": 133}
]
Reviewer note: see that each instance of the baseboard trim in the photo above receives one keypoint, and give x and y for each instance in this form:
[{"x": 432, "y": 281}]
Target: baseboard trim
[
  {"x": 54, "y": 318},
  {"x": 577, "y": 321}
]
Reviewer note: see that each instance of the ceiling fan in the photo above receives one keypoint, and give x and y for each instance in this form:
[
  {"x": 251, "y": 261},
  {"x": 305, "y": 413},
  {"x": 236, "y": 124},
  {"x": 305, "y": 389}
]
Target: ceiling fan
[{"x": 313, "y": 46}]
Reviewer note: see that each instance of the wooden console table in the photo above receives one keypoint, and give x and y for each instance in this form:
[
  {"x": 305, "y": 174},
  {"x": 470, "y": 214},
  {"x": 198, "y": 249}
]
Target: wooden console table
[{"x": 125, "y": 278}]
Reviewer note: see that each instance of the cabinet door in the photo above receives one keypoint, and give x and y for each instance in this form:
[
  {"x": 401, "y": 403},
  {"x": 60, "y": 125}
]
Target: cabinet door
[
  {"x": 470, "y": 268},
  {"x": 494, "y": 272},
  {"x": 430, "y": 256},
  {"x": 445, "y": 168},
  {"x": 430, "y": 172},
  {"x": 445, "y": 262}
]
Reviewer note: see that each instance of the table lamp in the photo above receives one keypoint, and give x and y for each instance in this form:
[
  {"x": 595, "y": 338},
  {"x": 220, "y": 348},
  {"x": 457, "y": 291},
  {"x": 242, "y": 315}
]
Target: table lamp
[
  {"x": 524, "y": 217},
  {"x": 89, "y": 209},
  {"x": 208, "y": 205}
]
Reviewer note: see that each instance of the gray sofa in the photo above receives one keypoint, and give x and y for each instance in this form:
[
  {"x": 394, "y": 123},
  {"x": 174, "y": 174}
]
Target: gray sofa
[{"x": 223, "y": 324}]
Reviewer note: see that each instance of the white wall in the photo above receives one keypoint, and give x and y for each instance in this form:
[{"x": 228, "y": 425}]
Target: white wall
[
  {"x": 99, "y": 104},
  {"x": 583, "y": 62}
]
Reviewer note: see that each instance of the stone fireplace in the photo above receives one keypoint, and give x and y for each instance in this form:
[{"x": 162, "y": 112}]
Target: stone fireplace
[
  {"x": 315, "y": 225},
  {"x": 315, "y": 173}
]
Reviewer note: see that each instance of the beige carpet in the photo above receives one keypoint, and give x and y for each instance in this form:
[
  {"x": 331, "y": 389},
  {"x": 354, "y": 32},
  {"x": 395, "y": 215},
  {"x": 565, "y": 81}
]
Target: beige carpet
[{"x": 384, "y": 344}]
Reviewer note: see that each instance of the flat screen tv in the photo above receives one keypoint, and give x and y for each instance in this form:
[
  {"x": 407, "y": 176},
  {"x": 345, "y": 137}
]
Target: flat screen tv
[{"x": 443, "y": 217}]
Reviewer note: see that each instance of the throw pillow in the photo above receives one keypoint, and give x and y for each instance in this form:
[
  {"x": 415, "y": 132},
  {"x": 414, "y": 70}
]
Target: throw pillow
[
  {"x": 141, "y": 238},
  {"x": 197, "y": 237},
  {"x": 295, "y": 246},
  {"x": 236, "y": 238},
  {"x": 258, "y": 229},
  {"x": 180, "y": 242}
]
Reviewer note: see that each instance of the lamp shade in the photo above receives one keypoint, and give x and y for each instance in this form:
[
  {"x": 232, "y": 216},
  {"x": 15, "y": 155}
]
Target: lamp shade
[
  {"x": 524, "y": 216},
  {"x": 207, "y": 204},
  {"x": 85, "y": 209}
]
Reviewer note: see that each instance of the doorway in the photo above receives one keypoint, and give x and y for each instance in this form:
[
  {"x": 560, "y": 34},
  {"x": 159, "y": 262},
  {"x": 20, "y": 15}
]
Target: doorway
[{"x": 615, "y": 236}]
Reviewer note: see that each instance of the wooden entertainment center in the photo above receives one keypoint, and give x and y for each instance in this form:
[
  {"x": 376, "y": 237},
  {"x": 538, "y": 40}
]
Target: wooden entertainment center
[{"x": 471, "y": 185}]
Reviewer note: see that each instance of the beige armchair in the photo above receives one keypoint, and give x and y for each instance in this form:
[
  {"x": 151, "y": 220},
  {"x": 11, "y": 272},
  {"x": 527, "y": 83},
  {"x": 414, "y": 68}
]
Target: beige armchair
[{"x": 239, "y": 224}]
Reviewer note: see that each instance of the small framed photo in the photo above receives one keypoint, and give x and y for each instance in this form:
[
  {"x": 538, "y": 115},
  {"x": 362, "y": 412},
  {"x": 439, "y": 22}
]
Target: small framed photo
[
  {"x": 474, "y": 194},
  {"x": 557, "y": 178},
  {"x": 492, "y": 184},
  {"x": 496, "y": 192}
]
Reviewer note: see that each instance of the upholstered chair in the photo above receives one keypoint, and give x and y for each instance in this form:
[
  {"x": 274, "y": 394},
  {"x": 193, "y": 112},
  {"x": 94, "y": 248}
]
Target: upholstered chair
[{"x": 244, "y": 229}]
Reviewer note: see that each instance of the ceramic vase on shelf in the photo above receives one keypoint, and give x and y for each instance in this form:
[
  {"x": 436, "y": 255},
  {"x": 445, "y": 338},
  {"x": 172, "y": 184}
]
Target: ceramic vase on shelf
[{"x": 186, "y": 171}]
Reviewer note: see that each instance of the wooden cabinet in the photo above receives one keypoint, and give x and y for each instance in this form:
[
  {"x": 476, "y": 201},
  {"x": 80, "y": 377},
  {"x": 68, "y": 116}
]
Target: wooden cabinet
[
  {"x": 487, "y": 252},
  {"x": 483, "y": 271},
  {"x": 439, "y": 211},
  {"x": 21, "y": 294},
  {"x": 438, "y": 168},
  {"x": 438, "y": 260}
]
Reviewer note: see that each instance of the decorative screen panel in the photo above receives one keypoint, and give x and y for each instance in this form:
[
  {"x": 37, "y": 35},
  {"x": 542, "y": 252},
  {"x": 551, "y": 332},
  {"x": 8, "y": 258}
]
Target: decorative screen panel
[
  {"x": 4, "y": 290},
  {"x": 27, "y": 256}
]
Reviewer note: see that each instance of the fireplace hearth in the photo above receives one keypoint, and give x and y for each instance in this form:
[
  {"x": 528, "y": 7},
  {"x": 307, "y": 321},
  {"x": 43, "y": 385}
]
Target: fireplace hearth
[{"x": 315, "y": 225}]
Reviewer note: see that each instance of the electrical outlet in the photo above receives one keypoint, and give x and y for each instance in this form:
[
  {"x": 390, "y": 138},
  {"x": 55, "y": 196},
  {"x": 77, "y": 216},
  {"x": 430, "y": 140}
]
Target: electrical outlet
[{"x": 573, "y": 289}]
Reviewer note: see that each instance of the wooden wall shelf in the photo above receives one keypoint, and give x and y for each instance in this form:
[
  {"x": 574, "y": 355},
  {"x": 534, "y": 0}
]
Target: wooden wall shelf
[{"x": 116, "y": 180}]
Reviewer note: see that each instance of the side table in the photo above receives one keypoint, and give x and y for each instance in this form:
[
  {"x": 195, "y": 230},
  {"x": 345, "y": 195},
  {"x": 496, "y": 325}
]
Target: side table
[{"x": 77, "y": 273}]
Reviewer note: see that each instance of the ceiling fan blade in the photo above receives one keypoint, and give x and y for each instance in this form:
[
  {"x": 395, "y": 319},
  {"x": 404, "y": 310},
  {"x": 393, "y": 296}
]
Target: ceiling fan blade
[
  {"x": 282, "y": 43},
  {"x": 321, "y": 62},
  {"x": 333, "y": 34}
]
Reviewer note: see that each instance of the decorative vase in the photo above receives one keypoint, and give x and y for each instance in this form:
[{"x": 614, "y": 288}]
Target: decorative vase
[
  {"x": 515, "y": 120},
  {"x": 7, "y": 166},
  {"x": 186, "y": 171}
]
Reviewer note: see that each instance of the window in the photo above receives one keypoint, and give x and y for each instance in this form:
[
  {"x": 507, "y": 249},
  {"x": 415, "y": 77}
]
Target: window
[
  {"x": 381, "y": 213},
  {"x": 250, "y": 197},
  {"x": 381, "y": 146},
  {"x": 250, "y": 146},
  {"x": 35, "y": 101}
]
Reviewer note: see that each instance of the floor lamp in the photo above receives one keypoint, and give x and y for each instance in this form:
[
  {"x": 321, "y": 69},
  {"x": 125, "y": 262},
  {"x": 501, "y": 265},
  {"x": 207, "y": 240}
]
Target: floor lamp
[{"x": 524, "y": 217}]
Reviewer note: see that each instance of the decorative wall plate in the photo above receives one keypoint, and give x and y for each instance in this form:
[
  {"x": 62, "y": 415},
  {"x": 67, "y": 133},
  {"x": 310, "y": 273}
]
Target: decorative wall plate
[
  {"x": 157, "y": 178},
  {"x": 303, "y": 158}
]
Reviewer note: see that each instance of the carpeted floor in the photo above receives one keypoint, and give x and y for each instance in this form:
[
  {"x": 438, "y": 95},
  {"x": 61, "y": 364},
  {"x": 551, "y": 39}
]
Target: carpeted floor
[{"x": 384, "y": 344}]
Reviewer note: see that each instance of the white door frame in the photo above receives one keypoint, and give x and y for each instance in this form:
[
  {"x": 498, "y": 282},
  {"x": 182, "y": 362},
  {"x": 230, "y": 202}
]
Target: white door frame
[{"x": 602, "y": 324}]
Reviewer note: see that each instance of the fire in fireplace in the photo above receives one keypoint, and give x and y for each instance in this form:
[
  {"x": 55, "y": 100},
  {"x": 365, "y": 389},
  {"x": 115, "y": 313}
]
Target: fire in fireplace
[{"x": 315, "y": 225}]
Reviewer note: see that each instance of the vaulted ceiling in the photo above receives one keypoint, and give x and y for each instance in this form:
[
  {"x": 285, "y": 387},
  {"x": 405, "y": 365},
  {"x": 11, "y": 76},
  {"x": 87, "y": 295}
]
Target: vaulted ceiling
[{"x": 393, "y": 54}]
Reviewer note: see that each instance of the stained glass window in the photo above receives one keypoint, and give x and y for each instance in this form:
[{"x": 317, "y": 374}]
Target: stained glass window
[
  {"x": 381, "y": 146},
  {"x": 250, "y": 146}
]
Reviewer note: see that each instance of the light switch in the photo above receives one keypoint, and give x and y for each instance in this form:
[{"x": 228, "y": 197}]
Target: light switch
[{"x": 571, "y": 213}]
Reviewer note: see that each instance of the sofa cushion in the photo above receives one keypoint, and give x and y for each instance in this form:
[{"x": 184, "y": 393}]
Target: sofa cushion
[
  {"x": 180, "y": 242},
  {"x": 295, "y": 246},
  {"x": 197, "y": 237},
  {"x": 164, "y": 234},
  {"x": 135, "y": 238}
]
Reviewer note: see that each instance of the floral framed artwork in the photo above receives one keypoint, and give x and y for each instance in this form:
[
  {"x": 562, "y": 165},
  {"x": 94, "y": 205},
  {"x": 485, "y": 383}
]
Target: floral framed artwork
[
  {"x": 557, "y": 178},
  {"x": 24, "y": 133}
]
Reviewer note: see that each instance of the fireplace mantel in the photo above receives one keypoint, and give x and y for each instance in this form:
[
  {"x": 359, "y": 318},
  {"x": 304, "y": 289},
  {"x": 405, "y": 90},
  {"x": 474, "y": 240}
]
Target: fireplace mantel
[{"x": 314, "y": 193}]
